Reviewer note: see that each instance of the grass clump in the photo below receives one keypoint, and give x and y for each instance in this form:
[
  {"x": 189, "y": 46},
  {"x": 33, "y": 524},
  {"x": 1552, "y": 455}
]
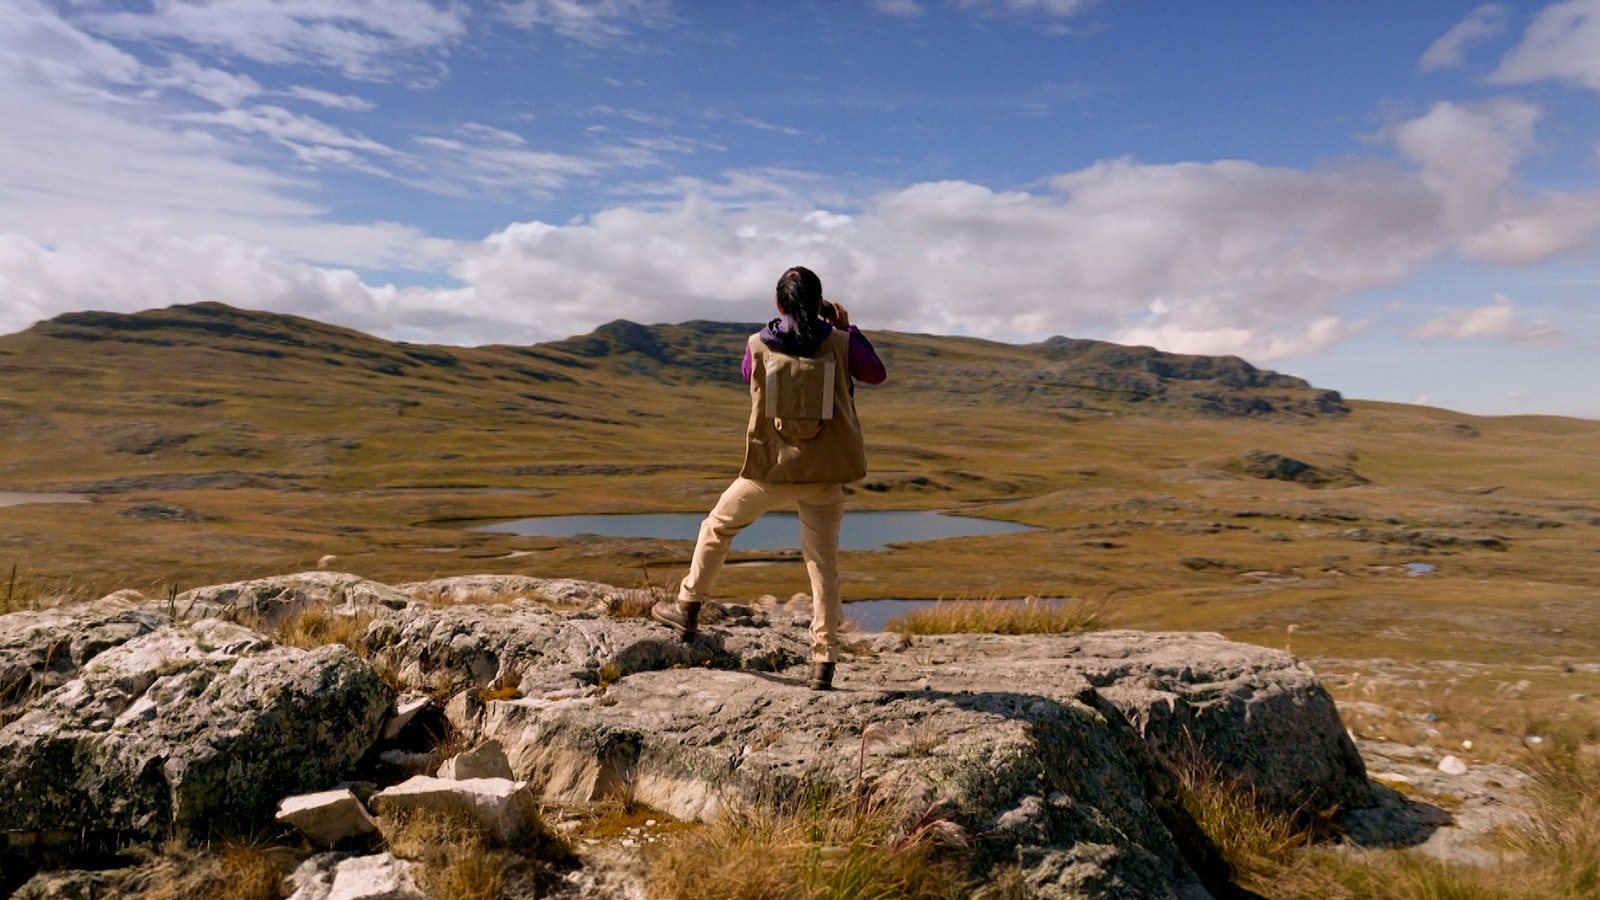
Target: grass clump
[
  {"x": 457, "y": 859},
  {"x": 810, "y": 848},
  {"x": 1554, "y": 854},
  {"x": 995, "y": 616}
]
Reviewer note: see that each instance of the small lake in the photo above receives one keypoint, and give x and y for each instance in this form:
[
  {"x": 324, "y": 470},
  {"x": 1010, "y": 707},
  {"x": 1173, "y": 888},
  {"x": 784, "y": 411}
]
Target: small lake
[
  {"x": 22, "y": 498},
  {"x": 864, "y": 530}
]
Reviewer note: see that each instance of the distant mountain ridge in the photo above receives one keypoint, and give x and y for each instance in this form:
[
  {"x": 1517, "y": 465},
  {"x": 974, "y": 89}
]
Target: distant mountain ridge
[{"x": 1068, "y": 374}]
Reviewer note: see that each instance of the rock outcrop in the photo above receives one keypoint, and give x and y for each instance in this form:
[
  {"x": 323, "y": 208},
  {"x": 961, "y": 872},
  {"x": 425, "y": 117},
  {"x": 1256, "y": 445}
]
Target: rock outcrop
[
  {"x": 191, "y": 729},
  {"x": 1059, "y": 755}
]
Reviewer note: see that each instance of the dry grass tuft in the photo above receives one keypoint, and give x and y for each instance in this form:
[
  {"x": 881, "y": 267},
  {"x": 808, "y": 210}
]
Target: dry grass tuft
[
  {"x": 1256, "y": 845},
  {"x": 314, "y": 627},
  {"x": 812, "y": 848},
  {"x": 994, "y": 616},
  {"x": 231, "y": 871},
  {"x": 1554, "y": 855},
  {"x": 455, "y": 858}
]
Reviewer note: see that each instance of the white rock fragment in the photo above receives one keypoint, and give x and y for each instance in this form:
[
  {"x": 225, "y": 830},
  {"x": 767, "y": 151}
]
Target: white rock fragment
[
  {"x": 405, "y": 709},
  {"x": 485, "y": 761},
  {"x": 1451, "y": 765},
  {"x": 508, "y": 809},
  {"x": 328, "y": 817},
  {"x": 333, "y": 876}
]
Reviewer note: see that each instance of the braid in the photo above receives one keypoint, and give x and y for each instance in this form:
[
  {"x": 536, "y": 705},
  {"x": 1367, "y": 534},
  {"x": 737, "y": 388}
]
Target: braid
[{"x": 800, "y": 296}]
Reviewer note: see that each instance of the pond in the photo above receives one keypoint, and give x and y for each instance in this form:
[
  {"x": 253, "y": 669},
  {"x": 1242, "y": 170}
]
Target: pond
[
  {"x": 22, "y": 498},
  {"x": 865, "y": 530}
]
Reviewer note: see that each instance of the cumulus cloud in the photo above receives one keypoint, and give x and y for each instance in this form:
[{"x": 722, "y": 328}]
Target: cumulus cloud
[
  {"x": 1500, "y": 319},
  {"x": 1468, "y": 154},
  {"x": 1562, "y": 44},
  {"x": 1450, "y": 50}
]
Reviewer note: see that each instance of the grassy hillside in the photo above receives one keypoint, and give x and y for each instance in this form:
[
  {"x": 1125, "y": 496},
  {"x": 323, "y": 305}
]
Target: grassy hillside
[{"x": 219, "y": 444}]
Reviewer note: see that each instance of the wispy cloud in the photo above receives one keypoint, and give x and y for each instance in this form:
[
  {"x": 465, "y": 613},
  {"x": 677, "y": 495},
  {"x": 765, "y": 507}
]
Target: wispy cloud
[
  {"x": 1500, "y": 319},
  {"x": 347, "y": 102},
  {"x": 1562, "y": 44},
  {"x": 1450, "y": 50},
  {"x": 591, "y": 22},
  {"x": 365, "y": 39}
]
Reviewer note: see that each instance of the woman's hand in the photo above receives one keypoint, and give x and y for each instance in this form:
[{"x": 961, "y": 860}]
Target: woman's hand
[{"x": 836, "y": 315}]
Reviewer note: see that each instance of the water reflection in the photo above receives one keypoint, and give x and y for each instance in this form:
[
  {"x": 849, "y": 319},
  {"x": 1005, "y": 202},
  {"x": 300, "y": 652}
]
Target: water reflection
[{"x": 865, "y": 530}]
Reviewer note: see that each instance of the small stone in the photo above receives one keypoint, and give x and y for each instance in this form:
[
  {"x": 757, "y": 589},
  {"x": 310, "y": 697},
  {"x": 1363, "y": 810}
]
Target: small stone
[{"x": 1451, "y": 765}]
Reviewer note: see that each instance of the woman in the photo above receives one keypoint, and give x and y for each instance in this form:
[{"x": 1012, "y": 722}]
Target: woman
[{"x": 803, "y": 445}]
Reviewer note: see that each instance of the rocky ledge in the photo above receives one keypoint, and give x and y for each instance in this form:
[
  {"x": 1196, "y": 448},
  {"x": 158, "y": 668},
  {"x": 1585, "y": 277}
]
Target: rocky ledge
[{"x": 1059, "y": 755}]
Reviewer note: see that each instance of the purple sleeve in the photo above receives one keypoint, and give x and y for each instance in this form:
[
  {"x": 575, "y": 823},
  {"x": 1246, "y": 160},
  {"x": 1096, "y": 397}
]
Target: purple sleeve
[
  {"x": 865, "y": 366},
  {"x": 749, "y": 364}
]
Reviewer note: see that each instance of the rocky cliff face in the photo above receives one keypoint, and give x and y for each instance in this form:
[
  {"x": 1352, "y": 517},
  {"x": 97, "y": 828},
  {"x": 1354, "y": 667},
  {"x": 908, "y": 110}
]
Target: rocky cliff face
[{"x": 1061, "y": 753}]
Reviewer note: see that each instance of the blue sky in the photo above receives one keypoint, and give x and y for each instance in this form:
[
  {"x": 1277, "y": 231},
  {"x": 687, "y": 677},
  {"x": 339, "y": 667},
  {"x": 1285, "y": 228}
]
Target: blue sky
[{"x": 1398, "y": 200}]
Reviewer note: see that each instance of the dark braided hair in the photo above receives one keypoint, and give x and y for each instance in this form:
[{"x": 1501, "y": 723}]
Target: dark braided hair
[{"x": 800, "y": 297}]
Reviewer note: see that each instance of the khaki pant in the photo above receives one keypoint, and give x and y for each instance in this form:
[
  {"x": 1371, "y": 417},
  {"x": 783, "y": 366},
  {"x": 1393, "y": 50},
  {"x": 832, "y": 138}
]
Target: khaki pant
[{"x": 821, "y": 510}]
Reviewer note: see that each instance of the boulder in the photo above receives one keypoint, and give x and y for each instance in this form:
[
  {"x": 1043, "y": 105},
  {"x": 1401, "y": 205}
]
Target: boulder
[
  {"x": 190, "y": 730},
  {"x": 327, "y": 817},
  {"x": 1067, "y": 748},
  {"x": 40, "y": 650}
]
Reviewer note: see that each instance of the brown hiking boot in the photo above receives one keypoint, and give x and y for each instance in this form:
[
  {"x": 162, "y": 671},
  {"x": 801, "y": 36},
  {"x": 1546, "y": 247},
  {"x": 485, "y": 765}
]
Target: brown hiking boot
[
  {"x": 822, "y": 676},
  {"x": 683, "y": 615}
]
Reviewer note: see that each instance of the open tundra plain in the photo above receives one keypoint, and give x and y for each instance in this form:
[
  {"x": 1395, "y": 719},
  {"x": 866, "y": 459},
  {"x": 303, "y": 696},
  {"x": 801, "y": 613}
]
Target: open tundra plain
[{"x": 1440, "y": 572}]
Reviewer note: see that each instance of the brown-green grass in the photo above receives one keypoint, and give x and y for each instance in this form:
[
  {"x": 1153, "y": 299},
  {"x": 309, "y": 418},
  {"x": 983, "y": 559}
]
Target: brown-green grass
[
  {"x": 810, "y": 848},
  {"x": 458, "y": 859},
  {"x": 995, "y": 616},
  {"x": 1554, "y": 854}
]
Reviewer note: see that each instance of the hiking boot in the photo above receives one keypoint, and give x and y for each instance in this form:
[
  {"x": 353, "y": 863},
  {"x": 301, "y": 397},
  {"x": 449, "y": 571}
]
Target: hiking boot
[
  {"x": 822, "y": 676},
  {"x": 683, "y": 615}
]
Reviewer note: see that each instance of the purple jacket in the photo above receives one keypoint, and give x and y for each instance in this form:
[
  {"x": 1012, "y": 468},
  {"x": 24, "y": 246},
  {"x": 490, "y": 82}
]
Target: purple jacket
[{"x": 865, "y": 366}]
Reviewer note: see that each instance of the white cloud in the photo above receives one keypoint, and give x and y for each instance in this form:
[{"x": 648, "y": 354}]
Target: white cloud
[
  {"x": 347, "y": 102},
  {"x": 130, "y": 269},
  {"x": 1449, "y": 51},
  {"x": 1059, "y": 8},
  {"x": 1562, "y": 44},
  {"x": 588, "y": 21},
  {"x": 1500, "y": 319},
  {"x": 1468, "y": 154},
  {"x": 907, "y": 8},
  {"x": 367, "y": 39}
]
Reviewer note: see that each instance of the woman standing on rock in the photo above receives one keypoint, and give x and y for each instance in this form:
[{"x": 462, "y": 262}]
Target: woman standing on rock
[{"x": 802, "y": 446}]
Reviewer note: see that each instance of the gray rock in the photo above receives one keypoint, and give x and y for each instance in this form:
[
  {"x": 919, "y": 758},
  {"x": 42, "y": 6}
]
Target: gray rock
[
  {"x": 40, "y": 650},
  {"x": 273, "y": 599},
  {"x": 188, "y": 730},
  {"x": 537, "y": 651},
  {"x": 1068, "y": 744}
]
